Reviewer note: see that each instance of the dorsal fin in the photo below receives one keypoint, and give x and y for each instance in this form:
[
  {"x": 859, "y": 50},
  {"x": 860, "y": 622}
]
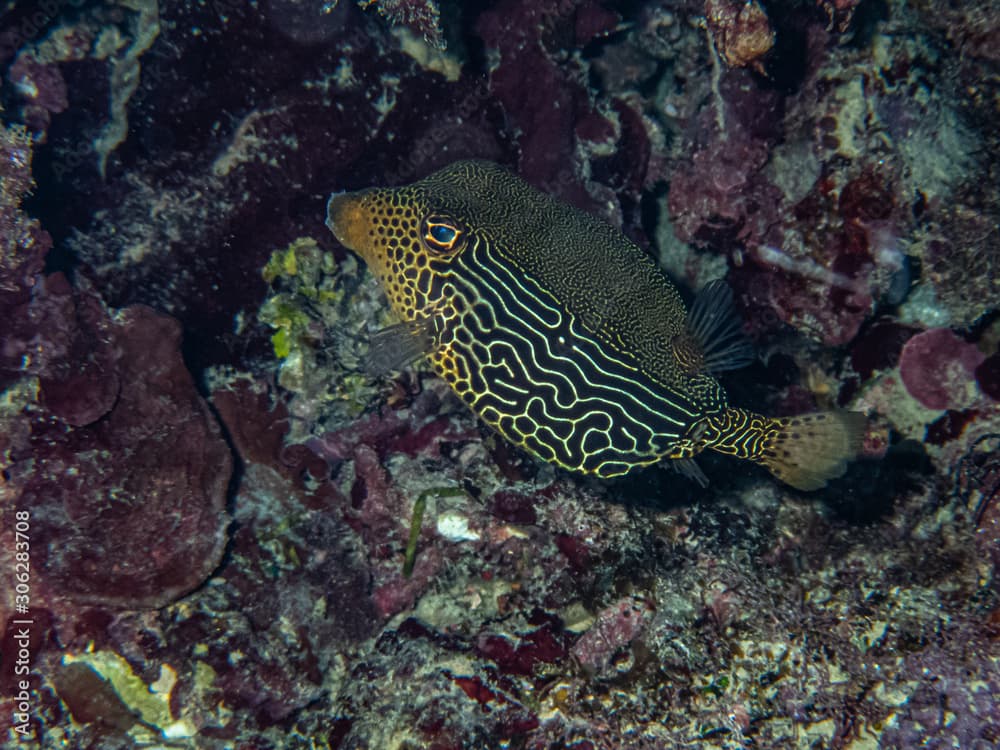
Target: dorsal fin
[{"x": 715, "y": 325}]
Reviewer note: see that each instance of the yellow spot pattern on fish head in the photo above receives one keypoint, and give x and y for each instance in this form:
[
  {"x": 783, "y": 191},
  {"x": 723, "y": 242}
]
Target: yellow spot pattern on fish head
[{"x": 400, "y": 235}]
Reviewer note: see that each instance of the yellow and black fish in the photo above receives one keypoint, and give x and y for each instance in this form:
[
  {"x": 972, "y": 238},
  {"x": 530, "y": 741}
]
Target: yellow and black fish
[{"x": 563, "y": 335}]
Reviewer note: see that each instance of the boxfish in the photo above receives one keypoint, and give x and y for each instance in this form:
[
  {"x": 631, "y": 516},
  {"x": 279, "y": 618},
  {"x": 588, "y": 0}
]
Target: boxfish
[{"x": 566, "y": 337}]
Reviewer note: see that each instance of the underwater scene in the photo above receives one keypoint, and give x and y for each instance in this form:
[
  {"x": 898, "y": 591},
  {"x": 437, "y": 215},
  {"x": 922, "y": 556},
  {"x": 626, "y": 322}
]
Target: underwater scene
[{"x": 525, "y": 374}]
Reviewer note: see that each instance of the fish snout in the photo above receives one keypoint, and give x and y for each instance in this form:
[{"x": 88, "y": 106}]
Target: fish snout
[{"x": 350, "y": 221}]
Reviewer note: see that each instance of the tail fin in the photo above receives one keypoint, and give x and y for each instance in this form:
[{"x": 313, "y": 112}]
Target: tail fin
[{"x": 808, "y": 450}]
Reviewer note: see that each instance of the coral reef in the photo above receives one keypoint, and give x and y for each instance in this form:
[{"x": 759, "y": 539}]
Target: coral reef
[
  {"x": 236, "y": 538},
  {"x": 420, "y": 16},
  {"x": 742, "y": 33}
]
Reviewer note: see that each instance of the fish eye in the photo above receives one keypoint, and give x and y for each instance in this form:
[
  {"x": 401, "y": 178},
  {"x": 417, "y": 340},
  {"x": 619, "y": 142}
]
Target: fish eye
[{"x": 442, "y": 234}]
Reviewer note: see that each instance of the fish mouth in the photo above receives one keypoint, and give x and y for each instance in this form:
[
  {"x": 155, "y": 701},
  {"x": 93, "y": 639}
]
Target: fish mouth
[{"x": 349, "y": 220}]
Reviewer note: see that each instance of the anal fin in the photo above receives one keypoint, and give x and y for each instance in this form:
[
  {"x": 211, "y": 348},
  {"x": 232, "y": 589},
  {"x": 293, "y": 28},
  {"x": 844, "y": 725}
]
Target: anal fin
[{"x": 688, "y": 468}]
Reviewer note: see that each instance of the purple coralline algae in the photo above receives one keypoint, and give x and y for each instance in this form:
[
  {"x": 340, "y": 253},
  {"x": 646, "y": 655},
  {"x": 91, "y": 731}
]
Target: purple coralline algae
[
  {"x": 125, "y": 466},
  {"x": 938, "y": 369},
  {"x": 238, "y": 539},
  {"x": 614, "y": 629}
]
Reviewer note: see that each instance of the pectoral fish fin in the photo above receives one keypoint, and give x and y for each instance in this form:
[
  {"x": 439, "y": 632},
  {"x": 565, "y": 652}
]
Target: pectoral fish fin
[
  {"x": 715, "y": 325},
  {"x": 398, "y": 345}
]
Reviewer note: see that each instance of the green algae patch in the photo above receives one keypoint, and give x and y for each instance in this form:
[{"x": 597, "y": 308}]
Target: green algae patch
[
  {"x": 306, "y": 270},
  {"x": 285, "y": 262},
  {"x": 302, "y": 277},
  {"x": 289, "y": 321},
  {"x": 319, "y": 310}
]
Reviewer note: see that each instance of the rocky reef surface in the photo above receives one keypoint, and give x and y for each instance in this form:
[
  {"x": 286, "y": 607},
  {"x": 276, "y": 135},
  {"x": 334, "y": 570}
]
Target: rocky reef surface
[{"x": 217, "y": 532}]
